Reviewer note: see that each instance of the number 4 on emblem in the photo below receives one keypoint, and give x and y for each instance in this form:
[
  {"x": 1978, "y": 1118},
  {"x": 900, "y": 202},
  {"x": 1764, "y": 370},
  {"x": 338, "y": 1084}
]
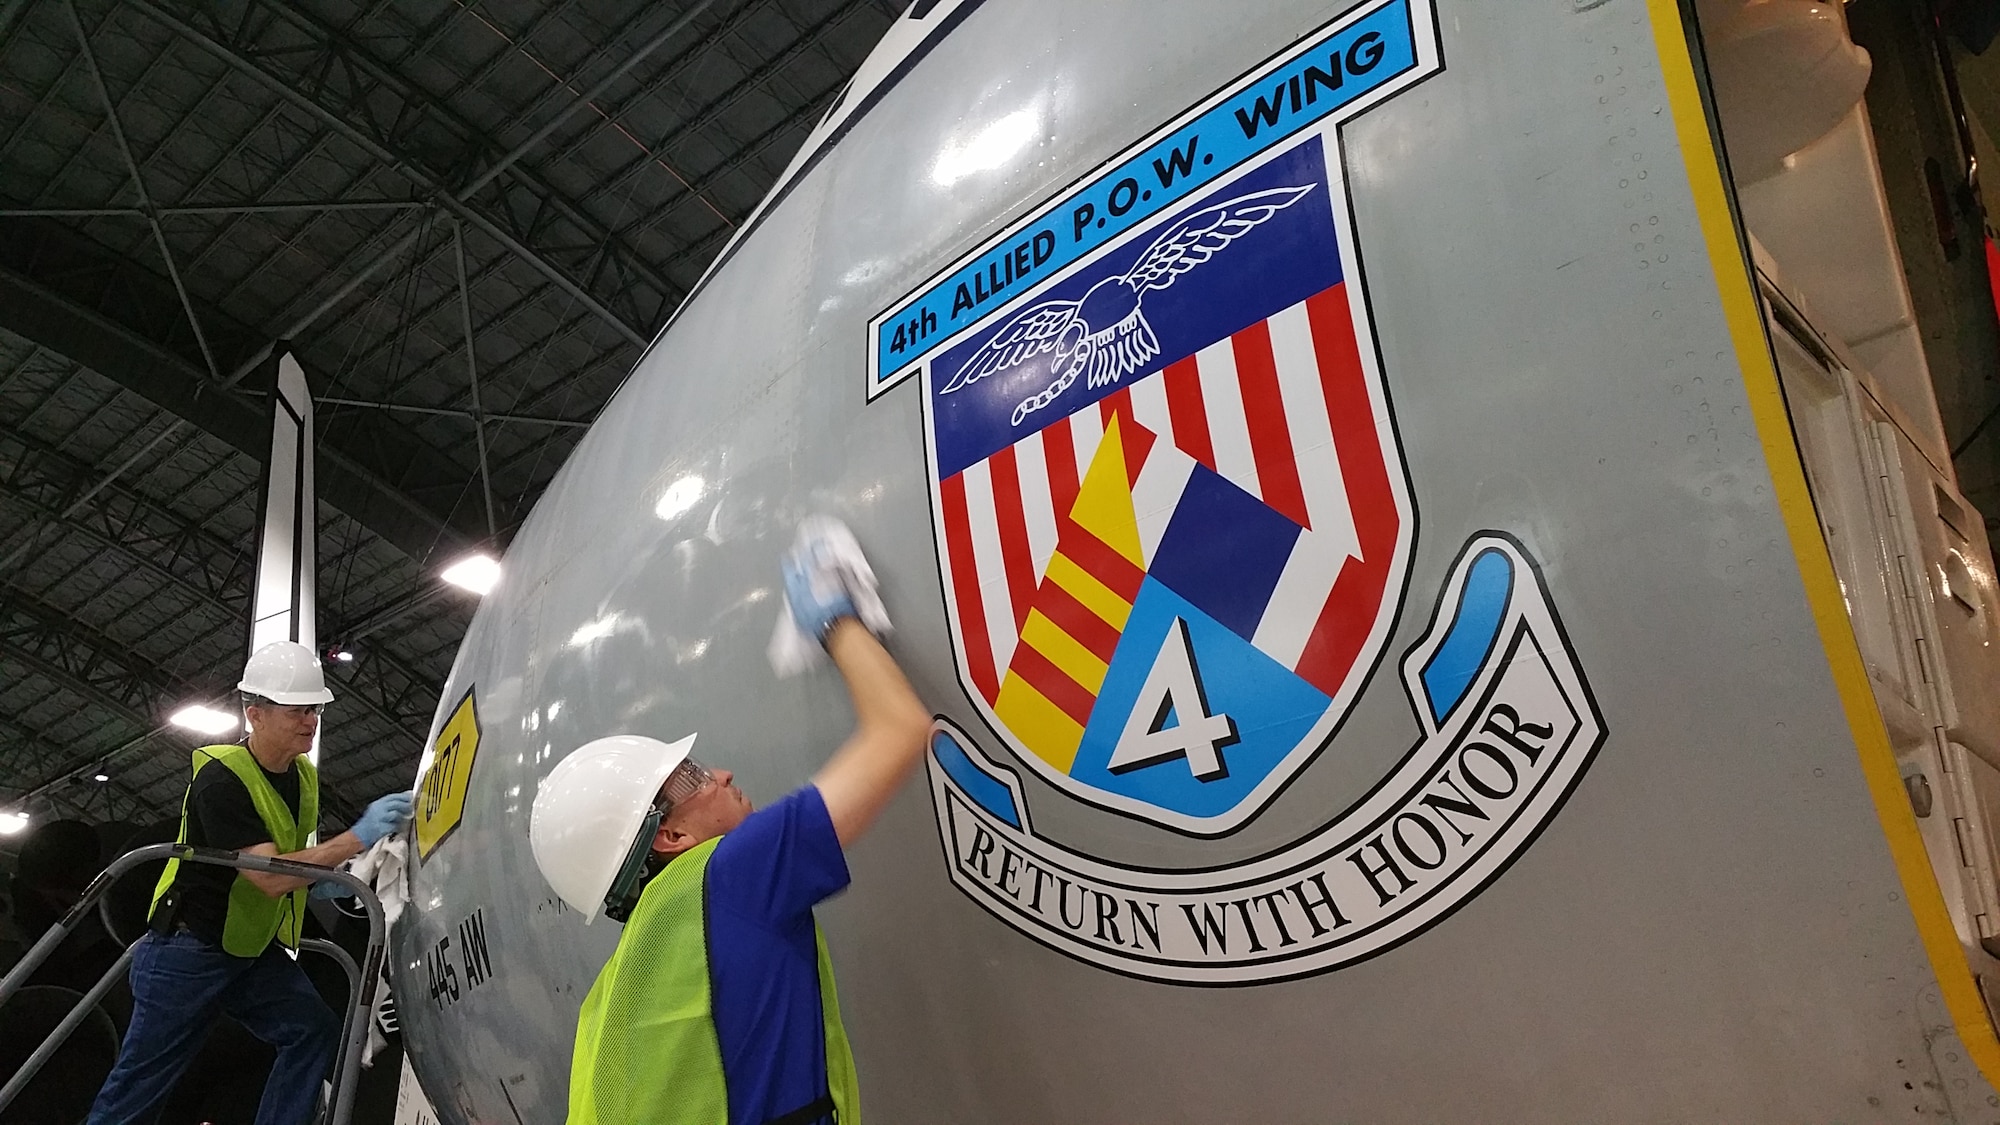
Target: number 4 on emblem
[{"x": 1173, "y": 691}]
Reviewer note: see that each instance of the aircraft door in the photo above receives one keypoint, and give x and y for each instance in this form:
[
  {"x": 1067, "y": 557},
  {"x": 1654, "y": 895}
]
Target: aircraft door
[
  {"x": 1864, "y": 472},
  {"x": 1840, "y": 463},
  {"x": 1947, "y": 575},
  {"x": 1950, "y": 583}
]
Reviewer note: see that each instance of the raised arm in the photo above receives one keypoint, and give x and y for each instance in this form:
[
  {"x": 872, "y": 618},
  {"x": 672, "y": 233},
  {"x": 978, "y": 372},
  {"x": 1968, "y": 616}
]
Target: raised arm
[
  {"x": 890, "y": 730},
  {"x": 890, "y": 722}
]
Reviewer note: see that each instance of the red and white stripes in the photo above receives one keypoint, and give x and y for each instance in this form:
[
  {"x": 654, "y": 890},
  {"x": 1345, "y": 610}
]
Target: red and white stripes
[
  {"x": 1283, "y": 409},
  {"x": 1009, "y": 503}
]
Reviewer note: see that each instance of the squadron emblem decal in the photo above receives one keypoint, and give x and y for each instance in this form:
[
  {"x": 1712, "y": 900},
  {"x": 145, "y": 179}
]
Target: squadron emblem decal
[{"x": 1174, "y": 530}]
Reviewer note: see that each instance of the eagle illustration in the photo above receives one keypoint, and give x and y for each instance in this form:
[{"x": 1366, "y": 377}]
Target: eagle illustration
[{"x": 1106, "y": 333}]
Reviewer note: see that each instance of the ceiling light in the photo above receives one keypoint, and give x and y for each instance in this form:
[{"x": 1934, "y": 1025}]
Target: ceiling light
[
  {"x": 102, "y": 777},
  {"x": 203, "y": 719},
  {"x": 342, "y": 655},
  {"x": 12, "y": 822},
  {"x": 478, "y": 573},
  {"x": 679, "y": 497}
]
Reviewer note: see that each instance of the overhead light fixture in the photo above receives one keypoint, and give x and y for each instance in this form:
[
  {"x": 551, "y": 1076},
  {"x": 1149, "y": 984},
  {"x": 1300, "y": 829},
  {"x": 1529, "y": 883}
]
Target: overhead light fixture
[
  {"x": 679, "y": 497},
  {"x": 203, "y": 719},
  {"x": 102, "y": 777},
  {"x": 341, "y": 655},
  {"x": 12, "y": 822},
  {"x": 477, "y": 573}
]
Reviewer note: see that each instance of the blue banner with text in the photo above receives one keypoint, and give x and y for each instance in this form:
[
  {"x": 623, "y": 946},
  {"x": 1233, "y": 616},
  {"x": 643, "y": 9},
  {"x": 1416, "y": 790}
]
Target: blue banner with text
[{"x": 1355, "y": 58}]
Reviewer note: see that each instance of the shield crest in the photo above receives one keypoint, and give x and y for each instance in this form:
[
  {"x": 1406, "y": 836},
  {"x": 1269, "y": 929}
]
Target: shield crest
[{"x": 1174, "y": 522}]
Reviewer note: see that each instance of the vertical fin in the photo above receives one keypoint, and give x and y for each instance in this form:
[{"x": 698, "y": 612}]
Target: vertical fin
[{"x": 282, "y": 606}]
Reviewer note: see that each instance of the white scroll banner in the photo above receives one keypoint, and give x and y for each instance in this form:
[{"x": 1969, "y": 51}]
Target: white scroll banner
[{"x": 1508, "y": 725}]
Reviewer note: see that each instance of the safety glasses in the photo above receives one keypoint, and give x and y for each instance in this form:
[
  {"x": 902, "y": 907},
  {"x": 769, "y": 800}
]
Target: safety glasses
[
  {"x": 294, "y": 710},
  {"x": 688, "y": 779}
]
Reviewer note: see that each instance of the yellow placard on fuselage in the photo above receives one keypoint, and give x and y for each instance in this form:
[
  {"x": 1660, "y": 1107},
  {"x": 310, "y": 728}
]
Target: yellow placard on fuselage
[{"x": 441, "y": 791}]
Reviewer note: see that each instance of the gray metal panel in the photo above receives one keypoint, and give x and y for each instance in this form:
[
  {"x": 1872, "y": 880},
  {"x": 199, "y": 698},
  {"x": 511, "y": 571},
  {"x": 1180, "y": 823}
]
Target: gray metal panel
[{"x": 1711, "y": 929}]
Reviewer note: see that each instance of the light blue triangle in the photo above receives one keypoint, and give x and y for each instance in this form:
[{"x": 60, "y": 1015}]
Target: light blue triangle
[{"x": 1273, "y": 709}]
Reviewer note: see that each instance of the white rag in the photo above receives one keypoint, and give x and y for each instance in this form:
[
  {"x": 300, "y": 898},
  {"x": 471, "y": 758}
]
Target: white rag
[
  {"x": 833, "y": 558},
  {"x": 384, "y": 866}
]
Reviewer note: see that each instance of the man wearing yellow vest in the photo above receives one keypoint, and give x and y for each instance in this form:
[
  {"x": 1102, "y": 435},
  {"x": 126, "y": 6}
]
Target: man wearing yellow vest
[
  {"x": 219, "y": 936},
  {"x": 718, "y": 1006}
]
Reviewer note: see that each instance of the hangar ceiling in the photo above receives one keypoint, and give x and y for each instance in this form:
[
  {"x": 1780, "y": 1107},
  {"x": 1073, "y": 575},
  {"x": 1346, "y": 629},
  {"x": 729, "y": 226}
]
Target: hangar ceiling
[{"x": 187, "y": 184}]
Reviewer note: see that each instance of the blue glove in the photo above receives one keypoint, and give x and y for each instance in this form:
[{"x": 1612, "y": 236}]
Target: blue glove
[
  {"x": 327, "y": 888},
  {"x": 384, "y": 816},
  {"x": 814, "y": 609}
]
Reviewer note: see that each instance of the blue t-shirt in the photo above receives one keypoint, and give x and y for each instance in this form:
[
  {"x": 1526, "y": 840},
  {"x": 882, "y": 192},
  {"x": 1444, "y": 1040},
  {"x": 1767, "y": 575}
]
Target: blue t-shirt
[{"x": 763, "y": 881}]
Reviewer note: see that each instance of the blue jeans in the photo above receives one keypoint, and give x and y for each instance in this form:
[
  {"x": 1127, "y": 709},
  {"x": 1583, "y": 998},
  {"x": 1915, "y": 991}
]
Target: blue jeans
[{"x": 179, "y": 983}]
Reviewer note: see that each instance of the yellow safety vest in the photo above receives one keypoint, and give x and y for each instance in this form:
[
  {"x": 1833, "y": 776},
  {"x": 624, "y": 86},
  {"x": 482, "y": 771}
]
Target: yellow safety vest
[
  {"x": 646, "y": 1048},
  {"x": 254, "y": 917}
]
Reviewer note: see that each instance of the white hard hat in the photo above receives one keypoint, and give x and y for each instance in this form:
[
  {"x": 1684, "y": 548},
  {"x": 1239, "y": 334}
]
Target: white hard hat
[
  {"x": 285, "y": 672},
  {"x": 589, "y": 810}
]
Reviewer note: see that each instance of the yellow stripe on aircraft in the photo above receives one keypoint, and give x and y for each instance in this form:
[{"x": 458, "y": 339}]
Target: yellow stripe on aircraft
[{"x": 1956, "y": 984}]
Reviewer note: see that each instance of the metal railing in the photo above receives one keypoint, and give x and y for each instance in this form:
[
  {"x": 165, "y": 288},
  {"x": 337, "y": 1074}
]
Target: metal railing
[{"x": 354, "y": 1027}]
